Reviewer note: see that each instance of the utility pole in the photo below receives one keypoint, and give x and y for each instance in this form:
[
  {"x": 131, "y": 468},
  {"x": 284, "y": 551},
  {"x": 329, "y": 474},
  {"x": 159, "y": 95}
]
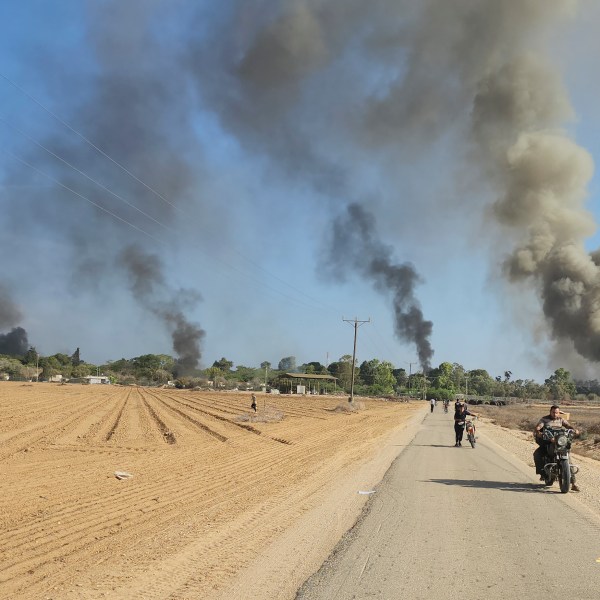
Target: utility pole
[
  {"x": 410, "y": 364},
  {"x": 266, "y": 370},
  {"x": 357, "y": 324}
]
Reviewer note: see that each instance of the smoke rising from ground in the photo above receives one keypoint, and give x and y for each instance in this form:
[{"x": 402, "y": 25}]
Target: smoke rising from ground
[
  {"x": 13, "y": 343},
  {"x": 354, "y": 247},
  {"x": 335, "y": 97},
  {"x": 444, "y": 64},
  {"x": 150, "y": 289}
]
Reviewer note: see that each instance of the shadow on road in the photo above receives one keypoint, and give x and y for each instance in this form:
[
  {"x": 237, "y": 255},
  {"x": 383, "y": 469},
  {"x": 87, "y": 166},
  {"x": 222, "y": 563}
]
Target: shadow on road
[
  {"x": 505, "y": 486},
  {"x": 434, "y": 445}
]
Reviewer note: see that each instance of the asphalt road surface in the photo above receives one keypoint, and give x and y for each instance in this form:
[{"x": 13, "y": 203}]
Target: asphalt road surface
[{"x": 449, "y": 523}]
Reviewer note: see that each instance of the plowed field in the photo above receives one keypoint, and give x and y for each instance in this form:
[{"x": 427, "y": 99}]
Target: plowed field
[{"x": 212, "y": 485}]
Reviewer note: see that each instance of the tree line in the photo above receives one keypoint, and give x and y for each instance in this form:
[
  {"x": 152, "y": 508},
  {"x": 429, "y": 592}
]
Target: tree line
[{"x": 371, "y": 377}]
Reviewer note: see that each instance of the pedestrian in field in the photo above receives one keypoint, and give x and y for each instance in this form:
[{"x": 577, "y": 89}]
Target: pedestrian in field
[
  {"x": 253, "y": 405},
  {"x": 432, "y": 404}
]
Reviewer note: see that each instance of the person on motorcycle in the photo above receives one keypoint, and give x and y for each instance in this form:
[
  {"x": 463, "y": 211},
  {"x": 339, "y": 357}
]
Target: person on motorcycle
[
  {"x": 460, "y": 415},
  {"x": 446, "y": 404},
  {"x": 552, "y": 420}
]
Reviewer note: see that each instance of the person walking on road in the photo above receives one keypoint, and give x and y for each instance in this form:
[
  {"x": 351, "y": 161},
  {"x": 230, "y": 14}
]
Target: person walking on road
[
  {"x": 253, "y": 405},
  {"x": 432, "y": 404},
  {"x": 460, "y": 416}
]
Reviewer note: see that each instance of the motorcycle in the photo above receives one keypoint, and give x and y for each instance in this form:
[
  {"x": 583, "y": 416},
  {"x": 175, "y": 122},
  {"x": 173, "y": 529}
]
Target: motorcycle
[
  {"x": 470, "y": 429},
  {"x": 557, "y": 461}
]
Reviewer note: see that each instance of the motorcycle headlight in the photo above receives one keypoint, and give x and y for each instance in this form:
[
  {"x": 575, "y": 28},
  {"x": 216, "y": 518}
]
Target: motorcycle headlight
[{"x": 561, "y": 440}]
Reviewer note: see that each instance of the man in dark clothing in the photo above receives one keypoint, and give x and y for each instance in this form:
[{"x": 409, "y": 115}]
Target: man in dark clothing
[
  {"x": 460, "y": 414},
  {"x": 539, "y": 455},
  {"x": 253, "y": 405}
]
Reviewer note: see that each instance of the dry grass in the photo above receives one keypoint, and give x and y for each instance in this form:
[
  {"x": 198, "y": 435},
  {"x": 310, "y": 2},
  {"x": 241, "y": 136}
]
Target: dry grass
[{"x": 525, "y": 418}]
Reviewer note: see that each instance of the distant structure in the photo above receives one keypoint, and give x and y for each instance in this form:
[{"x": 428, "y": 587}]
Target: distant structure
[
  {"x": 90, "y": 379},
  {"x": 305, "y": 383}
]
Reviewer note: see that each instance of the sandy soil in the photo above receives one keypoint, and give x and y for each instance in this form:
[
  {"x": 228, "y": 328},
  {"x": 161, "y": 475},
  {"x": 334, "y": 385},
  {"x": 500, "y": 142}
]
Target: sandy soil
[{"x": 222, "y": 503}]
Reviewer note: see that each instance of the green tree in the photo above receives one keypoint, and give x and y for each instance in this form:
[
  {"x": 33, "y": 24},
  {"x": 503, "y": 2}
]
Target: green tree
[
  {"x": 401, "y": 378},
  {"x": 367, "y": 371},
  {"x": 443, "y": 376},
  {"x": 313, "y": 367},
  {"x": 223, "y": 364},
  {"x": 30, "y": 357},
  {"x": 342, "y": 369},
  {"x": 245, "y": 374},
  {"x": 384, "y": 379},
  {"x": 215, "y": 375},
  {"x": 481, "y": 382},
  {"x": 12, "y": 367},
  {"x": 50, "y": 366},
  {"x": 561, "y": 385},
  {"x": 82, "y": 370}
]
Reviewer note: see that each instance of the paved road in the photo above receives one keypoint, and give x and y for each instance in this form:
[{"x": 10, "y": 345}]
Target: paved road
[{"x": 449, "y": 523}]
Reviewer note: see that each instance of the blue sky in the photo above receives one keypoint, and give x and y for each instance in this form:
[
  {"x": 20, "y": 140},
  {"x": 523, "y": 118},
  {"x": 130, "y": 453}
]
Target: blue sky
[{"x": 232, "y": 141}]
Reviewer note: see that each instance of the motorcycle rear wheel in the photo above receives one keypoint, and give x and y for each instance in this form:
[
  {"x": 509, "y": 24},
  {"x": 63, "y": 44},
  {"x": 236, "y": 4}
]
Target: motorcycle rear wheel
[{"x": 565, "y": 476}]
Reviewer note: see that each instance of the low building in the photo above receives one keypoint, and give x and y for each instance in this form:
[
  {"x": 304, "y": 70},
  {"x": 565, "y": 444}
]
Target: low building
[
  {"x": 90, "y": 379},
  {"x": 305, "y": 383}
]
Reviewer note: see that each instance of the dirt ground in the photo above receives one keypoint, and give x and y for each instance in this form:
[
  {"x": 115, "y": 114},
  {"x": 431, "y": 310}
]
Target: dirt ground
[{"x": 215, "y": 494}]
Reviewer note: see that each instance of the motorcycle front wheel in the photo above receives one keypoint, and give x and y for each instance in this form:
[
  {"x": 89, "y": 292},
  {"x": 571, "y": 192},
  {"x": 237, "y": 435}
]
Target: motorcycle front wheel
[
  {"x": 565, "y": 476},
  {"x": 471, "y": 439}
]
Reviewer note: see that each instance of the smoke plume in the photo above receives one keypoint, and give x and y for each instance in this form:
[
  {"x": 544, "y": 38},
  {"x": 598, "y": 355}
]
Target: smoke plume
[
  {"x": 354, "y": 247},
  {"x": 478, "y": 70},
  {"x": 13, "y": 343},
  {"x": 150, "y": 288},
  {"x": 333, "y": 99},
  {"x": 541, "y": 176}
]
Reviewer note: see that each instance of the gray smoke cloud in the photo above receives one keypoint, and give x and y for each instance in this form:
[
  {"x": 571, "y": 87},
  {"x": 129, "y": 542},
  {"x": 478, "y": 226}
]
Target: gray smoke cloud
[
  {"x": 473, "y": 67},
  {"x": 134, "y": 107},
  {"x": 149, "y": 287},
  {"x": 355, "y": 247},
  {"x": 15, "y": 342},
  {"x": 541, "y": 176},
  {"x": 329, "y": 92}
]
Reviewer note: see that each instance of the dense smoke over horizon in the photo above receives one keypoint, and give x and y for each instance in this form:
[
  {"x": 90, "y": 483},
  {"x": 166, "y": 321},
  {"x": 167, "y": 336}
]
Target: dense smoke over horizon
[
  {"x": 354, "y": 246},
  {"x": 460, "y": 60},
  {"x": 332, "y": 101}
]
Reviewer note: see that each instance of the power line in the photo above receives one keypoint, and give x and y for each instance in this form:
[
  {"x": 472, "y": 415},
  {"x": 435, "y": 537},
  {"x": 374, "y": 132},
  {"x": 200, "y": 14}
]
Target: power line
[
  {"x": 151, "y": 189},
  {"x": 66, "y": 187}
]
